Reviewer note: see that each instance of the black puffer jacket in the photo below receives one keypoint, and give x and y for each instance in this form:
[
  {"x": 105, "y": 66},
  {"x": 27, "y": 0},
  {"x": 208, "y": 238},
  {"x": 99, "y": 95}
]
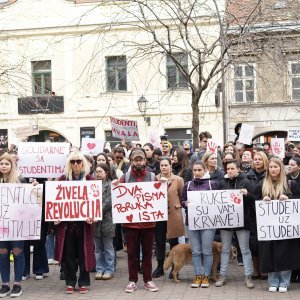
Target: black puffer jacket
[{"x": 237, "y": 183}]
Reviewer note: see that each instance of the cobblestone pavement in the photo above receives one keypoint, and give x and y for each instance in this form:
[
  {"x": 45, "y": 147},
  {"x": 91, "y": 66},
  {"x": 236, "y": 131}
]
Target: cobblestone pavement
[{"x": 52, "y": 288}]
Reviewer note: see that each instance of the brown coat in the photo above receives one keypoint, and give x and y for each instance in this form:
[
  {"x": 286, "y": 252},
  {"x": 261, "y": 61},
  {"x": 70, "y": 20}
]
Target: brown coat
[{"x": 175, "y": 227}]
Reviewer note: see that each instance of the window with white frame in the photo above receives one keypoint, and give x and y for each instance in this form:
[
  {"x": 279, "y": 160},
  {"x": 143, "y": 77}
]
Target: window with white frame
[
  {"x": 244, "y": 83},
  {"x": 41, "y": 77},
  {"x": 116, "y": 73},
  {"x": 175, "y": 78},
  {"x": 295, "y": 79}
]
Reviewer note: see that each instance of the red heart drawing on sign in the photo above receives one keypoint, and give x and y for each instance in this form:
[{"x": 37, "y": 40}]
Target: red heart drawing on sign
[
  {"x": 157, "y": 185},
  {"x": 91, "y": 146},
  {"x": 129, "y": 218}
]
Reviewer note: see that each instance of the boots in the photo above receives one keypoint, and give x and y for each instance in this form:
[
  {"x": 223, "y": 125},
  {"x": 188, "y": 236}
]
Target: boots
[
  {"x": 159, "y": 271},
  {"x": 255, "y": 274}
]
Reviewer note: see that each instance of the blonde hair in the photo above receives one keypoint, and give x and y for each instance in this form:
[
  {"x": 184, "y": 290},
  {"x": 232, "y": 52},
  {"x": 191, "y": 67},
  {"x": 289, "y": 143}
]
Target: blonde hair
[
  {"x": 206, "y": 156},
  {"x": 85, "y": 170},
  {"x": 274, "y": 189},
  {"x": 264, "y": 158},
  {"x": 13, "y": 176}
]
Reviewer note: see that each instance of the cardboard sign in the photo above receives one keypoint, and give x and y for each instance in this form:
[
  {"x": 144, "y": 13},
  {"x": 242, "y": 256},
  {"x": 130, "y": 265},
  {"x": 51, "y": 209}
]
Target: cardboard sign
[
  {"x": 124, "y": 129},
  {"x": 278, "y": 219},
  {"x": 212, "y": 146},
  {"x": 215, "y": 209},
  {"x": 139, "y": 202},
  {"x": 277, "y": 146},
  {"x": 294, "y": 135},
  {"x": 246, "y": 134},
  {"x": 42, "y": 160},
  {"x": 92, "y": 146},
  {"x": 73, "y": 200},
  {"x": 21, "y": 211}
]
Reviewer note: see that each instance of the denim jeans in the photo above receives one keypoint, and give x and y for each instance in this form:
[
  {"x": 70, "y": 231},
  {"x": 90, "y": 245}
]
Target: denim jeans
[
  {"x": 243, "y": 238},
  {"x": 104, "y": 254},
  {"x": 281, "y": 278},
  {"x": 201, "y": 243},
  {"x": 19, "y": 261},
  {"x": 50, "y": 245}
]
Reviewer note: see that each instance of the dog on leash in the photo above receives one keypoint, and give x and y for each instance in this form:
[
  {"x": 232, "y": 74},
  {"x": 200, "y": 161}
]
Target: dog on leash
[{"x": 181, "y": 255}]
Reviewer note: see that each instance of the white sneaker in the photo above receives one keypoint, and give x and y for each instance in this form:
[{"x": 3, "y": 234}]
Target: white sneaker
[
  {"x": 131, "y": 287},
  {"x": 50, "y": 261},
  {"x": 39, "y": 276},
  {"x": 25, "y": 277},
  {"x": 273, "y": 289},
  {"x": 282, "y": 289}
]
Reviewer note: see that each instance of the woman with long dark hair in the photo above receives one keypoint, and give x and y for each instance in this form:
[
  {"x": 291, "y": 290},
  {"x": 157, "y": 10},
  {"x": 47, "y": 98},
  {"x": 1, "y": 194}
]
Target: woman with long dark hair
[{"x": 180, "y": 165}]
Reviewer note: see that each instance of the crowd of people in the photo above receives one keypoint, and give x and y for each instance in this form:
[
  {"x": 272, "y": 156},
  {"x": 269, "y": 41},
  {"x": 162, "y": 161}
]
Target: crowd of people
[{"x": 91, "y": 246}]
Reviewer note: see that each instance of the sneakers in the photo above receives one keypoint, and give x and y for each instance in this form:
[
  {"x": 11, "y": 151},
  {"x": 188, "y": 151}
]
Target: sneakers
[
  {"x": 249, "y": 283},
  {"x": 107, "y": 276},
  {"x": 282, "y": 289},
  {"x": 205, "y": 282},
  {"x": 150, "y": 286},
  {"x": 4, "y": 291},
  {"x": 131, "y": 287},
  {"x": 221, "y": 281},
  {"x": 39, "y": 276},
  {"x": 25, "y": 277},
  {"x": 83, "y": 290},
  {"x": 98, "y": 275},
  {"x": 273, "y": 289},
  {"x": 70, "y": 289},
  {"x": 197, "y": 281},
  {"x": 16, "y": 291},
  {"x": 51, "y": 261}
]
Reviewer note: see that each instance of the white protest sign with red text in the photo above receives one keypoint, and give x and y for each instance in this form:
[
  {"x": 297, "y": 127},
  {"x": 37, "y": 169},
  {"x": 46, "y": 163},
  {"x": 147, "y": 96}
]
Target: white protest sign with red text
[
  {"x": 92, "y": 146},
  {"x": 73, "y": 200},
  {"x": 124, "y": 129},
  {"x": 215, "y": 209},
  {"x": 42, "y": 160},
  {"x": 21, "y": 211},
  {"x": 139, "y": 202},
  {"x": 277, "y": 146}
]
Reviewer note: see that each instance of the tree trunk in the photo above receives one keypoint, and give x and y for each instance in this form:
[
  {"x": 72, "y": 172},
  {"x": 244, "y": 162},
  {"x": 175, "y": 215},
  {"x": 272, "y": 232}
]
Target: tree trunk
[{"x": 195, "y": 121}]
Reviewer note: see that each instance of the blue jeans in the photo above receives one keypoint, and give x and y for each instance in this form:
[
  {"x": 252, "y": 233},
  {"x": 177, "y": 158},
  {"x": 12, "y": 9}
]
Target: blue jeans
[
  {"x": 281, "y": 278},
  {"x": 19, "y": 261},
  {"x": 243, "y": 238},
  {"x": 104, "y": 254},
  {"x": 201, "y": 243},
  {"x": 50, "y": 244}
]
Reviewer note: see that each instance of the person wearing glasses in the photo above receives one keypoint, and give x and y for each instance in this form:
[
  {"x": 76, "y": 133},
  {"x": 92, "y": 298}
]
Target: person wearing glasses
[
  {"x": 74, "y": 239},
  {"x": 188, "y": 148},
  {"x": 166, "y": 148}
]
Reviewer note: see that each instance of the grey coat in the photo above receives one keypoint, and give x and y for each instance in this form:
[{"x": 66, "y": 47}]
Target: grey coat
[{"x": 105, "y": 228}]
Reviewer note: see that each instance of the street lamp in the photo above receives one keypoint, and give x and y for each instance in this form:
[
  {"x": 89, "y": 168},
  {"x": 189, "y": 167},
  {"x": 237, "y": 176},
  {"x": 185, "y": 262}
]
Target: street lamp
[{"x": 142, "y": 104}]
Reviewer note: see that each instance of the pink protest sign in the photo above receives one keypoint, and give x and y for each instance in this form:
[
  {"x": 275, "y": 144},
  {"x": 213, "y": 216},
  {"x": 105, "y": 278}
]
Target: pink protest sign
[
  {"x": 21, "y": 211},
  {"x": 73, "y": 200},
  {"x": 124, "y": 129},
  {"x": 139, "y": 202},
  {"x": 42, "y": 160}
]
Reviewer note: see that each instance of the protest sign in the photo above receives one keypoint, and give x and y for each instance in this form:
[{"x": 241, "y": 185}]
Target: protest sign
[
  {"x": 215, "y": 209},
  {"x": 92, "y": 146},
  {"x": 246, "y": 134},
  {"x": 139, "y": 202},
  {"x": 212, "y": 146},
  {"x": 42, "y": 160},
  {"x": 73, "y": 200},
  {"x": 124, "y": 129},
  {"x": 294, "y": 135},
  {"x": 21, "y": 211},
  {"x": 278, "y": 220},
  {"x": 277, "y": 146}
]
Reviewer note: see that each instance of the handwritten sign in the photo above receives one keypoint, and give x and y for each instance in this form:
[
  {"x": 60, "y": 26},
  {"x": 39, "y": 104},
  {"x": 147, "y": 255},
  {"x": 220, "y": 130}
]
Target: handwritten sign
[
  {"x": 277, "y": 146},
  {"x": 73, "y": 200},
  {"x": 124, "y": 129},
  {"x": 246, "y": 134},
  {"x": 278, "y": 220},
  {"x": 21, "y": 211},
  {"x": 215, "y": 209},
  {"x": 42, "y": 160},
  {"x": 139, "y": 202},
  {"x": 294, "y": 135},
  {"x": 92, "y": 146},
  {"x": 212, "y": 146}
]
